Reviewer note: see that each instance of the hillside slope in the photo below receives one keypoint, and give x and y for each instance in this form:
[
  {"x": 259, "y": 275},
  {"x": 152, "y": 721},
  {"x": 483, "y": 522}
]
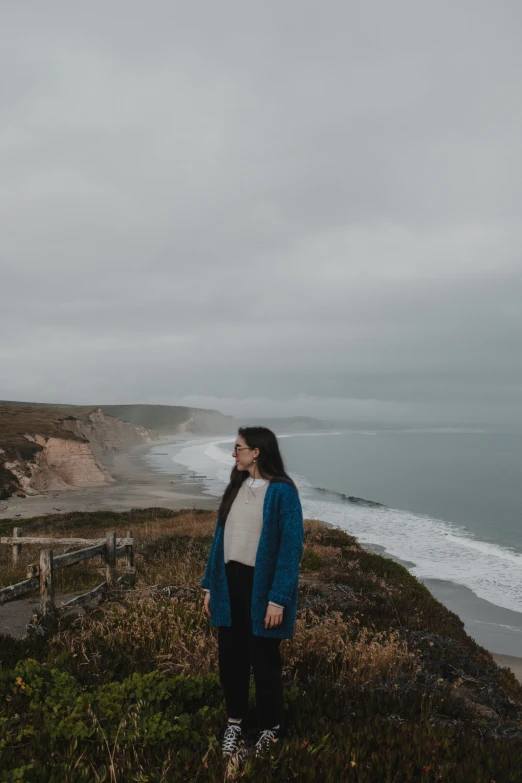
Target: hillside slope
[{"x": 381, "y": 681}]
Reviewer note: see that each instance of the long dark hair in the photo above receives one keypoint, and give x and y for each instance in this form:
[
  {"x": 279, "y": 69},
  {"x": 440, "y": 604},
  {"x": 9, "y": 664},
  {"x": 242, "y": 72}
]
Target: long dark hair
[{"x": 269, "y": 462}]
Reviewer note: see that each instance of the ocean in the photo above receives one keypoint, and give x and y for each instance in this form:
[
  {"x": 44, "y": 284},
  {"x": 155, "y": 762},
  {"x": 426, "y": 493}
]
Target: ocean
[{"x": 445, "y": 503}]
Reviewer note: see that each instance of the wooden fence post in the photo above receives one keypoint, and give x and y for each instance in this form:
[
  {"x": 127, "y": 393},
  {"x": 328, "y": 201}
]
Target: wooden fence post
[
  {"x": 129, "y": 555},
  {"x": 17, "y": 548},
  {"x": 110, "y": 558},
  {"x": 46, "y": 582}
]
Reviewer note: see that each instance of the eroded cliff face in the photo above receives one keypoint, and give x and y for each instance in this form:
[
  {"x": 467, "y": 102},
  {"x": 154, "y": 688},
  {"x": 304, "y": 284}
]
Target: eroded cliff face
[
  {"x": 74, "y": 463},
  {"x": 61, "y": 464}
]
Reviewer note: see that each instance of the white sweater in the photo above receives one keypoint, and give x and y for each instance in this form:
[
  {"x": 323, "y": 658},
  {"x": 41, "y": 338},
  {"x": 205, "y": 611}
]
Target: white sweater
[{"x": 244, "y": 524}]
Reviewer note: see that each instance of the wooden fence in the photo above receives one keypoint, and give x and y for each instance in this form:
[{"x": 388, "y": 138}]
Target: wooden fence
[{"x": 41, "y": 575}]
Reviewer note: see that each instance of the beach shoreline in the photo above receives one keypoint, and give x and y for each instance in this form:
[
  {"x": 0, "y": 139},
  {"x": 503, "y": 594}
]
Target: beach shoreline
[
  {"x": 139, "y": 485},
  {"x": 509, "y": 662},
  {"x": 136, "y": 485}
]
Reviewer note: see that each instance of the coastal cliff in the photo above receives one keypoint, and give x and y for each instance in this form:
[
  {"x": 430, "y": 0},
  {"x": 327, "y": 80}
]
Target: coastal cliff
[
  {"x": 65, "y": 453},
  {"x": 61, "y": 464},
  {"x": 52, "y": 447}
]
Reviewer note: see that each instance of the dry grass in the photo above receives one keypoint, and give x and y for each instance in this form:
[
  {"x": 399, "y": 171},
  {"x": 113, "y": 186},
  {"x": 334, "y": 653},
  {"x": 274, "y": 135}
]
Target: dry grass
[
  {"x": 174, "y": 635},
  {"x": 10, "y": 574},
  {"x": 171, "y": 635},
  {"x": 314, "y": 530},
  {"x": 329, "y": 556},
  {"x": 339, "y": 649},
  {"x": 185, "y": 523},
  {"x": 144, "y": 523}
]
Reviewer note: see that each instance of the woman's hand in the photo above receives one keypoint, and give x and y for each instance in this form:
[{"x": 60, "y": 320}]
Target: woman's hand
[
  {"x": 206, "y": 603},
  {"x": 274, "y": 616}
]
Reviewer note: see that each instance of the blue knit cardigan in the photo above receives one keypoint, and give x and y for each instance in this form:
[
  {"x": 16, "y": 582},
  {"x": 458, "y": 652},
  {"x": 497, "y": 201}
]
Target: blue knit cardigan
[{"x": 276, "y": 572}]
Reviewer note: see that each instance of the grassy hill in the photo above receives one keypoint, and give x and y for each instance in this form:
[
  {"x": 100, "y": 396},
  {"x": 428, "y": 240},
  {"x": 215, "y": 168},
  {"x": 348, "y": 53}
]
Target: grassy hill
[
  {"x": 382, "y": 684},
  {"x": 18, "y": 418}
]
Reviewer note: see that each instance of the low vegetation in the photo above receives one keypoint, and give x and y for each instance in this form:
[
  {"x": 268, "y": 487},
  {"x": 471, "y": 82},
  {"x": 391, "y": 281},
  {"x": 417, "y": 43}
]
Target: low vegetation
[{"x": 382, "y": 683}]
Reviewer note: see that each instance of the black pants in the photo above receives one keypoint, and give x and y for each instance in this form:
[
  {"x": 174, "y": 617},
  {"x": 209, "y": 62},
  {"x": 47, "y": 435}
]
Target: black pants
[{"x": 238, "y": 648}]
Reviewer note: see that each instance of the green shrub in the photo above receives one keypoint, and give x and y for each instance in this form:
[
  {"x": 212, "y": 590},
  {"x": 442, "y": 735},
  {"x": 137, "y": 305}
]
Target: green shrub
[{"x": 50, "y": 716}]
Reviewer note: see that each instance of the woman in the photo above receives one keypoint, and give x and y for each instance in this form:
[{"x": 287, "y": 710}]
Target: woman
[{"x": 251, "y": 581}]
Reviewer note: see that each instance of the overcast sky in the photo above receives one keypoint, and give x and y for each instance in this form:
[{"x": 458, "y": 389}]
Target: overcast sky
[{"x": 284, "y": 207}]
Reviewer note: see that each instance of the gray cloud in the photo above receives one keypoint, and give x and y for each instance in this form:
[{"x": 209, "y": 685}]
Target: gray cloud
[{"x": 279, "y": 207}]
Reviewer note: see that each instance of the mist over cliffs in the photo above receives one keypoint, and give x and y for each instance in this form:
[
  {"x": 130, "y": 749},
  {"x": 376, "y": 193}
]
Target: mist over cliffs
[{"x": 173, "y": 419}]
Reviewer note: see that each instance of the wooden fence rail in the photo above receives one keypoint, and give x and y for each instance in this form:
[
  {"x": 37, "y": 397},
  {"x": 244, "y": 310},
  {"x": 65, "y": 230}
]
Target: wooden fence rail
[
  {"x": 32, "y": 540},
  {"x": 42, "y": 574}
]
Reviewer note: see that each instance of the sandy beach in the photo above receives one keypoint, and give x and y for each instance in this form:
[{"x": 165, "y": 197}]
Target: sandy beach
[
  {"x": 138, "y": 486},
  {"x": 510, "y": 662}
]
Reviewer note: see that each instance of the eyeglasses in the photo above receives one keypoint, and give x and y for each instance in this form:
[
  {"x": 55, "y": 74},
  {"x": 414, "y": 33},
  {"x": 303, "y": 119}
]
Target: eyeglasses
[{"x": 238, "y": 448}]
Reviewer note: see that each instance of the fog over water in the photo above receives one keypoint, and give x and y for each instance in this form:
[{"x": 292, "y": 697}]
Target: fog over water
[{"x": 312, "y": 212}]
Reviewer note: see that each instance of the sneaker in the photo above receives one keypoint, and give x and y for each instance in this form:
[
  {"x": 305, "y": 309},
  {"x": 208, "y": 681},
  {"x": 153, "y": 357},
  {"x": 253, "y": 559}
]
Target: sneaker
[
  {"x": 266, "y": 739},
  {"x": 231, "y": 739}
]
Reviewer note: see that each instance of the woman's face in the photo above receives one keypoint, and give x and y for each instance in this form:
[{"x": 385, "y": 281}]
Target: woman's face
[{"x": 243, "y": 455}]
